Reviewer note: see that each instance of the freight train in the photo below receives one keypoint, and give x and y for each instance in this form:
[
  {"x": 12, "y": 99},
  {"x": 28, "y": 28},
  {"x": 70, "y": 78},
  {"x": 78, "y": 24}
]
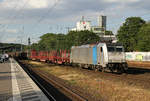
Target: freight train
[{"x": 101, "y": 56}]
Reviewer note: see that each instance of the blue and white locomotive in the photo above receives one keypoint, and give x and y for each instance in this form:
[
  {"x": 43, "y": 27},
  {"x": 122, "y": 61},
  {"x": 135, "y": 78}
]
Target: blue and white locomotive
[{"x": 102, "y": 56}]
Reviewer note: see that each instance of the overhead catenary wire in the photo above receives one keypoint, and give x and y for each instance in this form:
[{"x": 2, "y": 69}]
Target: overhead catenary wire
[
  {"x": 118, "y": 23},
  {"x": 50, "y": 9},
  {"x": 19, "y": 11},
  {"x": 141, "y": 15},
  {"x": 15, "y": 16},
  {"x": 47, "y": 12},
  {"x": 10, "y": 14},
  {"x": 42, "y": 17},
  {"x": 126, "y": 26},
  {"x": 8, "y": 17},
  {"x": 121, "y": 24}
]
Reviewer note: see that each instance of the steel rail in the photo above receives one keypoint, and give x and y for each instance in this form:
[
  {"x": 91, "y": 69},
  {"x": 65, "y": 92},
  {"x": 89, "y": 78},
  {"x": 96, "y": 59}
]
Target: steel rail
[
  {"x": 41, "y": 86},
  {"x": 74, "y": 96}
]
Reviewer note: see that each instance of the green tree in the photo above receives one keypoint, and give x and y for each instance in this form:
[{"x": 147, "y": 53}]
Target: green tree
[
  {"x": 144, "y": 38},
  {"x": 87, "y": 37},
  {"x": 109, "y": 33},
  {"x": 128, "y": 32},
  {"x": 11, "y": 47},
  {"x": 61, "y": 41},
  {"x": 51, "y": 41},
  {"x": 34, "y": 46},
  {"x": 48, "y": 41},
  {"x": 72, "y": 39},
  {"x": 76, "y": 38}
]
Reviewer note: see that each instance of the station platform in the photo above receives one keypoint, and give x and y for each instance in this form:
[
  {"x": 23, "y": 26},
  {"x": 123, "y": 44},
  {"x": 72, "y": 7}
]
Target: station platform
[{"x": 16, "y": 85}]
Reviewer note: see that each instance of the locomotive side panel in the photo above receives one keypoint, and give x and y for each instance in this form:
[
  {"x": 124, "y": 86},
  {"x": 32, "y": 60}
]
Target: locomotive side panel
[
  {"x": 83, "y": 55},
  {"x": 95, "y": 55},
  {"x": 74, "y": 55}
]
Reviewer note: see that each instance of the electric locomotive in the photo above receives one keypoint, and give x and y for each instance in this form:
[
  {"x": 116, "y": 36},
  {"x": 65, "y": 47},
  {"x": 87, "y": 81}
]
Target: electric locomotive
[{"x": 101, "y": 56}]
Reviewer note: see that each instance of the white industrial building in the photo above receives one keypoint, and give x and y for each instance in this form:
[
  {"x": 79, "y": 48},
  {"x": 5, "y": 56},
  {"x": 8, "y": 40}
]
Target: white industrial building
[
  {"x": 86, "y": 25},
  {"x": 99, "y": 29},
  {"x": 82, "y": 25}
]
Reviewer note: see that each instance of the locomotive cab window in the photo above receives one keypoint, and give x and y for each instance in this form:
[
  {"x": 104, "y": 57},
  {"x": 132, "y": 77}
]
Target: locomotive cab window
[
  {"x": 101, "y": 49},
  {"x": 115, "y": 48},
  {"x": 119, "y": 48},
  {"x": 111, "y": 49}
]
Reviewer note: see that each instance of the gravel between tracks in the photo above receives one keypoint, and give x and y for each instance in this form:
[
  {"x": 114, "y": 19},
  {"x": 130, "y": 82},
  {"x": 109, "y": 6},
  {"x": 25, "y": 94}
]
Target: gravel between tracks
[{"x": 132, "y": 86}]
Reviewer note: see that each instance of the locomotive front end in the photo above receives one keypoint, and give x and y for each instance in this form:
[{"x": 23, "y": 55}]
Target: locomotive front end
[{"x": 116, "y": 58}]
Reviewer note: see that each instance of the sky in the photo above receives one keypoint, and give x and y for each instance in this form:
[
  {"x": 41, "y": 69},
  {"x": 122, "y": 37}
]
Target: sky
[{"x": 21, "y": 19}]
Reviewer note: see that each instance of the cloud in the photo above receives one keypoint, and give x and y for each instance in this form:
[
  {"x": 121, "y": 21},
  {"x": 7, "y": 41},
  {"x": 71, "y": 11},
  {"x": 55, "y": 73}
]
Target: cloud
[
  {"x": 38, "y": 3},
  {"x": 122, "y": 1},
  {"x": 9, "y": 31},
  {"x": 26, "y": 4},
  {"x": 67, "y": 12},
  {"x": 12, "y": 31},
  {"x": 10, "y": 40},
  {"x": 71, "y": 10}
]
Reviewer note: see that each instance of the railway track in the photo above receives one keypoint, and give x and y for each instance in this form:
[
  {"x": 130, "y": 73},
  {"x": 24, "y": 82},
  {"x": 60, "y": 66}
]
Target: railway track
[
  {"x": 132, "y": 75},
  {"x": 50, "y": 91},
  {"x": 140, "y": 79},
  {"x": 68, "y": 94},
  {"x": 74, "y": 96},
  {"x": 135, "y": 76}
]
